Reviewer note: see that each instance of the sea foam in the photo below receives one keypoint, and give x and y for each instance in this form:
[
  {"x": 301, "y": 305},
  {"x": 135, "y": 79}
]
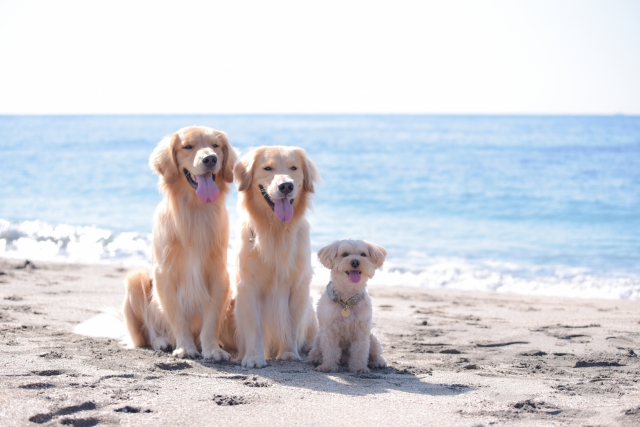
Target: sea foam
[{"x": 39, "y": 241}]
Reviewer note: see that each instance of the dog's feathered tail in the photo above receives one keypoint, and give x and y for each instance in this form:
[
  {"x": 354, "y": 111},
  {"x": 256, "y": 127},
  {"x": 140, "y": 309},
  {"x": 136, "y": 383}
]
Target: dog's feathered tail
[
  {"x": 137, "y": 297},
  {"x": 228, "y": 336}
]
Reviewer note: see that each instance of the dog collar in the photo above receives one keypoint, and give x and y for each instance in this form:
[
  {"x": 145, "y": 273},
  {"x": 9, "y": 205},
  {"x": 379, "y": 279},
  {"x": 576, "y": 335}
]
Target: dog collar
[{"x": 348, "y": 304}]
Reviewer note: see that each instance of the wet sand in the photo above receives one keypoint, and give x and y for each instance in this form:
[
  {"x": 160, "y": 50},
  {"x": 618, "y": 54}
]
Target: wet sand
[{"x": 455, "y": 358}]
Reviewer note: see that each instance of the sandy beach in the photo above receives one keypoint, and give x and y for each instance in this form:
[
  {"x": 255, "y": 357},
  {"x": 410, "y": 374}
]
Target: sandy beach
[{"x": 455, "y": 358}]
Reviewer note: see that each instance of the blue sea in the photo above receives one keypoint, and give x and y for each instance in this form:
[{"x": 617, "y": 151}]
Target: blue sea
[{"x": 544, "y": 205}]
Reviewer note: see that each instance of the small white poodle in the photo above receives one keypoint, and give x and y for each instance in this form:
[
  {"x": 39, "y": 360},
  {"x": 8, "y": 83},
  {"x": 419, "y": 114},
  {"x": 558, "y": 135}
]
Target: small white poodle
[{"x": 344, "y": 309}]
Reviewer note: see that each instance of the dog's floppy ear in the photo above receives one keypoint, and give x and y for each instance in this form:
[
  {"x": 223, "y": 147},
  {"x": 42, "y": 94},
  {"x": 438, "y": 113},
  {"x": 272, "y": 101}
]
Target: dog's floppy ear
[
  {"x": 163, "y": 159},
  {"x": 311, "y": 174},
  {"x": 376, "y": 253},
  {"x": 230, "y": 157},
  {"x": 243, "y": 171},
  {"x": 328, "y": 254}
]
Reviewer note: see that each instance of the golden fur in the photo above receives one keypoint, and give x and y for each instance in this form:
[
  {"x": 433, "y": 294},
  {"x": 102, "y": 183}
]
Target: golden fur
[
  {"x": 185, "y": 299},
  {"x": 349, "y": 338},
  {"x": 274, "y": 314}
]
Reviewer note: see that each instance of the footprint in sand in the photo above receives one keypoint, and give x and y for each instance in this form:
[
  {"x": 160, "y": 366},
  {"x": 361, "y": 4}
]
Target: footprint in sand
[{"x": 67, "y": 410}]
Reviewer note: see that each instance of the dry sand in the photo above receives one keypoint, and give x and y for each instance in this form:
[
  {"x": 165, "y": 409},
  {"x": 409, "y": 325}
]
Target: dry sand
[{"x": 456, "y": 358}]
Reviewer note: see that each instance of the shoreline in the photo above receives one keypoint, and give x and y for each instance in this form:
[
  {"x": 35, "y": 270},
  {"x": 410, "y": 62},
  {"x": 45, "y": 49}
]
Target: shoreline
[
  {"x": 455, "y": 358},
  {"x": 454, "y": 274}
]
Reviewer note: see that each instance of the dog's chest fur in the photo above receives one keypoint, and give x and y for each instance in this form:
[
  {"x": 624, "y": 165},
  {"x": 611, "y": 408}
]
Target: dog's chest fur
[
  {"x": 185, "y": 245},
  {"x": 193, "y": 294},
  {"x": 274, "y": 259},
  {"x": 346, "y": 328}
]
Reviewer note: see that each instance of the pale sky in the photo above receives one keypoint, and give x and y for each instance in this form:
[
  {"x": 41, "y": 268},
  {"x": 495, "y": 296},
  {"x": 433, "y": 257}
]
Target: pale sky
[{"x": 460, "y": 57}]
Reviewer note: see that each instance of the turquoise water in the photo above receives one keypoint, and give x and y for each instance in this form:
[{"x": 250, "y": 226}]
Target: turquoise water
[{"x": 487, "y": 202}]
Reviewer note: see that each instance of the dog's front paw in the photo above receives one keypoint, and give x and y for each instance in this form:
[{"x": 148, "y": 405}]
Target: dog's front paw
[
  {"x": 327, "y": 368},
  {"x": 314, "y": 357},
  {"x": 254, "y": 362},
  {"x": 289, "y": 355},
  {"x": 182, "y": 352},
  {"x": 378, "y": 362},
  {"x": 161, "y": 343},
  {"x": 216, "y": 355},
  {"x": 361, "y": 369}
]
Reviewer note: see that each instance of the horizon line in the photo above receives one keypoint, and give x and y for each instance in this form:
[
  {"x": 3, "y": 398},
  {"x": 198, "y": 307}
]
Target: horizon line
[{"x": 4, "y": 114}]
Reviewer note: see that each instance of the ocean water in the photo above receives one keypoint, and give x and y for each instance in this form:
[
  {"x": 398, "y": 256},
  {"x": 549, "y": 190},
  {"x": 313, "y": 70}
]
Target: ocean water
[{"x": 535, "y": 205}]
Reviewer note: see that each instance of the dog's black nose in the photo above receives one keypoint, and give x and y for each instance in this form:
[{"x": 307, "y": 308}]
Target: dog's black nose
[
  {"x": 210, "y": 160},
  {"x": 286, "y": 187},
  {"x": 355, "y": 263}
]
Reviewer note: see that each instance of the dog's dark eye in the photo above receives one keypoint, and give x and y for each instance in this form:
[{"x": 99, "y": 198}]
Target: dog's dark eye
[
  {"x": 363, "y": 254},
  {"x": 293, "y": 168},
  {"x": 215, "y": 145},
  {"x": 187, "y": 147},
  {"x": 344, "y": 255},
  {"x": 268, "y": 168}
]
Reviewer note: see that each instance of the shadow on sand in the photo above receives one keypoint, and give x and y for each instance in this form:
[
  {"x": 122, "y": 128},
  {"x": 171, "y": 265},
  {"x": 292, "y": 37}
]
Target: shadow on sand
[{"x": 303, "y": 375}]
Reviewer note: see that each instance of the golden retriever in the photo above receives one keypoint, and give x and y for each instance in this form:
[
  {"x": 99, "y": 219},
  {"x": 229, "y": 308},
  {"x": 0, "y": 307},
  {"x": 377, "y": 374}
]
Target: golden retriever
[
  {"x": 273, "y": 310},
  {"x": 344, "y": 309},
  {"x": 185, "y": 299}
]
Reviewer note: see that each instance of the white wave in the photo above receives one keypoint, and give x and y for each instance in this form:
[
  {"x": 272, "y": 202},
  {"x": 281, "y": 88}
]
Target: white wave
[
  {"x": 496, "y": 276},
  {"x": 39, "y": 241},
  {"x": 36, "y": 240},
  {"x": 458, "y": 274}
]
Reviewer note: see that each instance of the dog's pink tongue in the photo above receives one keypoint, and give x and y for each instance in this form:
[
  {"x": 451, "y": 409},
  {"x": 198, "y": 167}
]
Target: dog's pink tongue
[
  {"x": 283, "y": 209},
  {"x": 207, "y": 190},
  {"x": 354, "y": 276}
]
